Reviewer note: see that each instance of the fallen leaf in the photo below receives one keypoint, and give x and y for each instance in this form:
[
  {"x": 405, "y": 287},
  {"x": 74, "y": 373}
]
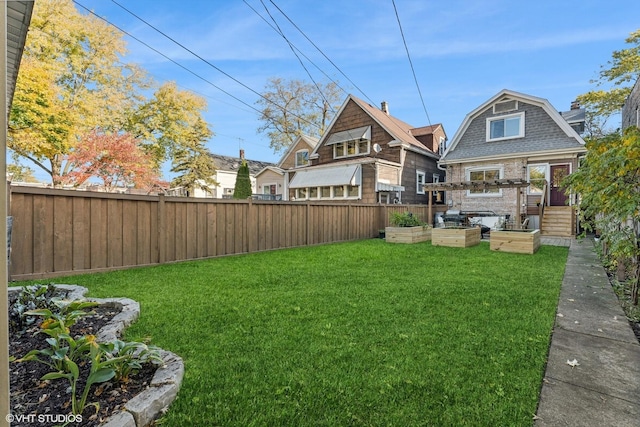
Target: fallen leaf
[
  {"x": 573, "y": 363},
  {"x": 560, "y": 315}
]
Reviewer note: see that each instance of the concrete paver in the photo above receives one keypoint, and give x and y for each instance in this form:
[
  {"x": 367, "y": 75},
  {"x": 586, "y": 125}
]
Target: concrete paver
[{"x": 603, "y": 389}]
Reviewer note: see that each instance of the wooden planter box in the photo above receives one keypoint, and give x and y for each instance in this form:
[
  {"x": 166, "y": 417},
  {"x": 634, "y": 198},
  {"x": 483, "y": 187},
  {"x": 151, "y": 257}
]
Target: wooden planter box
[
  {"x": 456, "y": 237},
  {"x": 407, "y": 234},
  {"x": 522, "y": 242}
]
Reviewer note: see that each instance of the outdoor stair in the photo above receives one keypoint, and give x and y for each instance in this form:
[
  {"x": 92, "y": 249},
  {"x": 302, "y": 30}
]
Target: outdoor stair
[{"x": 558, "y": 221}]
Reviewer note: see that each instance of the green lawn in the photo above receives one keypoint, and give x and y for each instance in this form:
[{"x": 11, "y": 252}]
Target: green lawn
[{"x": 361, "y": 333}]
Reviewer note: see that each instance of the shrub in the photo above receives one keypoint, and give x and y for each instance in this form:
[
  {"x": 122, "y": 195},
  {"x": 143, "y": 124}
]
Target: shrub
[{"x": 405, "y": 219}]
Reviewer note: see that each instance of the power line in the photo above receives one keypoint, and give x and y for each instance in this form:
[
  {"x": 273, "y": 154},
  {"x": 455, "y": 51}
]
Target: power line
[
  {"x": 299, "y": 60},
  {"x": 411, "y": 62},
  {"x": 277, "y": 30},
  {"x": 167, "y": 57},
  {"x": 323, "y": 54},
  {"x": 210, "y": 64}
]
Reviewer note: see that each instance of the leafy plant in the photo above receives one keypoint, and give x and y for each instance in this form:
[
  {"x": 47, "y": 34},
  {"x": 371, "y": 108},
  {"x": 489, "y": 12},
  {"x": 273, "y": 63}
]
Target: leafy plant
[
  {"x": 56, "y": 324},
  {"x": 405, "y": 219},
  {"x": 30, "y": 298},
  {"x": 130, "y": 356},
  {"x": 100, "y": 371}
]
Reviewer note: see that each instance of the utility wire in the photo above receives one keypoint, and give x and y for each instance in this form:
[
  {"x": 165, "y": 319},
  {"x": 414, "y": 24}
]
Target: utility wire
[
  {"x": 323, "y": 54},
  {"x": 208, "y": 63},
  {"x": 167, "y": 57},
  {"x": 294, "y": 46},
  {"x": 299, "y": 60},
  {"x": 410, "y": 62}
]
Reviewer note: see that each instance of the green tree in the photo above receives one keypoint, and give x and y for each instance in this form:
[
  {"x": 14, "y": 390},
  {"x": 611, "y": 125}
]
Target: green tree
[
  {"x": 608, "y": 182},
  {"x": 170, "y": 122},
  {"x": 20, "y": 173},
  {"x": 621, "y": 72},
  {"x": 195, "y": 169},
  {"x": 242, "y": 189},
  {"x": 293, "y": 108}
]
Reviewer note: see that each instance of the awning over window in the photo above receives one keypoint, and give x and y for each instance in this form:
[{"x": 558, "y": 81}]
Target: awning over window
[
  {"x": 381, "y": 186},
  {"x": 358, "y": 134},
  {"x": 326, "y": 177}
]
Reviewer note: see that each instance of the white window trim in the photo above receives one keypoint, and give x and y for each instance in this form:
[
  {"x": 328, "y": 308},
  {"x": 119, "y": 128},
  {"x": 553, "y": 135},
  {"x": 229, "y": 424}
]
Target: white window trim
[
  {"x": 296, "y": 158},
  {"x": 420, "y": 187},
  {"x": 268, "y": 185},
  {"x": 504, "y": 117},
  {"x": 546, "y": 175},
  {"x": 467, "y": 173}
]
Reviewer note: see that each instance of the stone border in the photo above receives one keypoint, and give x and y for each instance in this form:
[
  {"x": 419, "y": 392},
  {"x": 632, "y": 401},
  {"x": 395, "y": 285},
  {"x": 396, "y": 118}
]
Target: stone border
[{"x": 145, "y": 407}]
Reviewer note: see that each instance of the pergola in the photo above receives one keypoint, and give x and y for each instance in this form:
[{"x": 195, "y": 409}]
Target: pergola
[{"x": 478, "y": 185}]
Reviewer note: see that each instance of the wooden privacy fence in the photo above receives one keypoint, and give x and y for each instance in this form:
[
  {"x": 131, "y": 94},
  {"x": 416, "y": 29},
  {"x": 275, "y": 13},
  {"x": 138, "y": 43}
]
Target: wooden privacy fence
[{"x": 62, "y": 232}]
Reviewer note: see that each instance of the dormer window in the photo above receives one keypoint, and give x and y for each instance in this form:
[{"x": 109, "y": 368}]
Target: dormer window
[
  {"x": 349, "y": 143},
  {"x": 302, "y": 158},
  {"x": 505, "y": 127}
]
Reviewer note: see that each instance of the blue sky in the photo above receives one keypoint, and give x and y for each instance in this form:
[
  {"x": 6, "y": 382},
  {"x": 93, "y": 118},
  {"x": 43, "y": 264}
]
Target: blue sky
[{"x": 463, "y": 53}]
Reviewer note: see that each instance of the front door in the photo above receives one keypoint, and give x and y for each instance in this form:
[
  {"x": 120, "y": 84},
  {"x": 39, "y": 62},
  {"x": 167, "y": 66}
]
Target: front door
[{"x": 557, "y": 197}]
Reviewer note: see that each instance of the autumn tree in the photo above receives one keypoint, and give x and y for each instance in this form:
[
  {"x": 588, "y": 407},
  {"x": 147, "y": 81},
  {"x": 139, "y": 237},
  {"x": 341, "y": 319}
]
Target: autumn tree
[
  {"x": 115, "y": 159},
  {"x": 608, "y": 182},
  {"x": 291, "y": 108},
  {"x": 621, "y": 72},
  {"x": 242, "y": 189},
  {"x": 73, "y": 79}
]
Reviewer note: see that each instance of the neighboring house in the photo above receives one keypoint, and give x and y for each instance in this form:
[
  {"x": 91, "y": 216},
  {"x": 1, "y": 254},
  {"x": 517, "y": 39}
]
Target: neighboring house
[
  {"x": 270, "y": 180},
  {"x": 368, "y": 156},
  {"x": 631, "y": 108},
  {"x": 517, "y": 137},
  {"x": 225, "y": 176}
]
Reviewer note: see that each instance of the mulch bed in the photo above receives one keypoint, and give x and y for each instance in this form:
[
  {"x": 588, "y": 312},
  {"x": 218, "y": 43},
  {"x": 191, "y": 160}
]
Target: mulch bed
[{"x": 37, "y": 403}]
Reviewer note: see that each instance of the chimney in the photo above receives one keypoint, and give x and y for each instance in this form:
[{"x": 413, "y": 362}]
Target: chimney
[
  {"x": 575, "y": 105},
  {"x": 385, "y": 107},
  {"x": 241, "y": 154}
]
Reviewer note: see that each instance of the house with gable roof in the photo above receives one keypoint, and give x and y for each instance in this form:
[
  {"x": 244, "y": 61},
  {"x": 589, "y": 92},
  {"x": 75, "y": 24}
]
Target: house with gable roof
[
  {"x": 368, "y": 156},
  {"x": 518, "y": 137},
  {"x": 270, "y": 180}
]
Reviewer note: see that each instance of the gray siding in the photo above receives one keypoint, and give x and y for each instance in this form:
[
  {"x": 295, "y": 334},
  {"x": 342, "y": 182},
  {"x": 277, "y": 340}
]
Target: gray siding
[{"x": 541, "y": 132}]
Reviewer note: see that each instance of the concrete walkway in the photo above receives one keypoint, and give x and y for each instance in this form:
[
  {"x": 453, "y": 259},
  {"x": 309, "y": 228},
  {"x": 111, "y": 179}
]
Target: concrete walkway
[{"x": 592, "y": 333}]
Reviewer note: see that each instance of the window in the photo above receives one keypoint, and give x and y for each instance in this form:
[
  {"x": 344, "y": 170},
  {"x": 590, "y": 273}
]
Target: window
[
  {"x": 328, "y": 192},
  {"x": 505, "y": 127},
  {"x": 504, "y": 106},
  {"x": 484, "y": 174},
  {"x": 269, "y": 189},
  {"x": 442, "y": 146},
  {"x": 537, "y": 175},
  {"x": 351, "y": 148},
  {"x": 420, "y": 181},
  {"x": 302, "y": 158}
]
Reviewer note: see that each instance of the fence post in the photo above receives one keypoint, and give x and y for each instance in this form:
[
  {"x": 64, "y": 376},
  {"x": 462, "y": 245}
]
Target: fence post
[{"x": 162, "y": 230}]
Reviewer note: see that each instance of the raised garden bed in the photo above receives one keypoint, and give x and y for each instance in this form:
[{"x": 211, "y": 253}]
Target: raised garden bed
[
  {"x": 517, "y": 241},
  {"x": 457, "y": 237},
  {"x": 407, "y": 234}
]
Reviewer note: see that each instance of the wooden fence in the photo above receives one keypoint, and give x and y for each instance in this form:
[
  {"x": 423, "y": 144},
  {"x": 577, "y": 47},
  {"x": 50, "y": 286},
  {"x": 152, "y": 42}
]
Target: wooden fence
[{"x": 63, "y": 232}]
